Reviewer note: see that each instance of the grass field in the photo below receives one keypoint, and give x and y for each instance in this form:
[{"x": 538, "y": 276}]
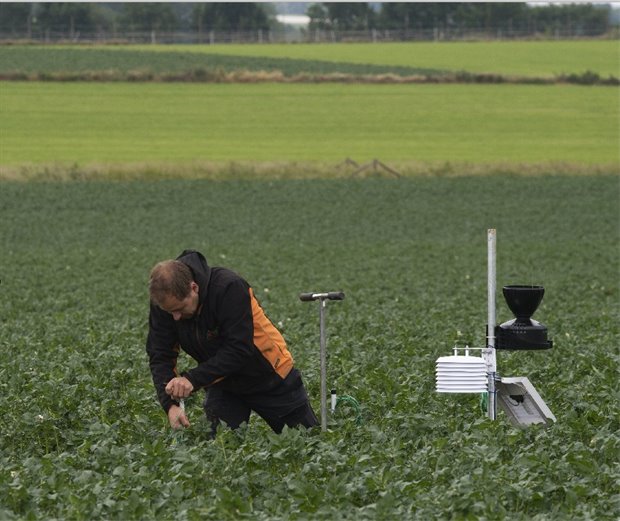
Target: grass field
[
  {"x": 91, "y": 123},
  {"x": 522, "y": 58},
  {"x": 83, "y": 436},
  {"x": 534, "y": 59}
]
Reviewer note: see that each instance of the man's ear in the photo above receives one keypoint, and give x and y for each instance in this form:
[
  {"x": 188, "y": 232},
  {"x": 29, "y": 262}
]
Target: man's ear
[{"x": 194, "y": 287}]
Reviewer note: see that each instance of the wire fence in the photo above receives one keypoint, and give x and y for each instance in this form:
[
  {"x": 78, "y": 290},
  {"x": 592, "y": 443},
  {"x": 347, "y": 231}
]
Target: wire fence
[{"x": 301, "y": 35}]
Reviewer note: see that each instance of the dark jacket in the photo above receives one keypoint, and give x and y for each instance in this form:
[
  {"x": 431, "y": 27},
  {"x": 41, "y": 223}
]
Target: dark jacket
[{"x": 236, "y": 346}]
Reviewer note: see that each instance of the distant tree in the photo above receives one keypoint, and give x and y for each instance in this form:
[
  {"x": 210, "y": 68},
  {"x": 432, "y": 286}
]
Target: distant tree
[
  {"x": 492, "y": 16},
  {"x": 148, "y": 17},
  {"x": 231, "y": 16},
  {"x": 15, "y": 17},
  {"x": 586, "y": 19},
  {"x": 318, "y": 17},
  {"x": 346, "y": 16},
  {"x": 66, "y": 17},
  {"x": 419, "y": 15}
]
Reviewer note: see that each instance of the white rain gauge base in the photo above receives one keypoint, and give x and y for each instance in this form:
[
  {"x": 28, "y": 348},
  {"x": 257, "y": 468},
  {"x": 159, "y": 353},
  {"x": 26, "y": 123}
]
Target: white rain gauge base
[{"x": 474, "y": 369}]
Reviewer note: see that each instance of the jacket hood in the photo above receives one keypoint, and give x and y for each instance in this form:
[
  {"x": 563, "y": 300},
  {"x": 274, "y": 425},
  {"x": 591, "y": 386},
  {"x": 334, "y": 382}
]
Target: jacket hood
[{"x": 200, "y": 269}]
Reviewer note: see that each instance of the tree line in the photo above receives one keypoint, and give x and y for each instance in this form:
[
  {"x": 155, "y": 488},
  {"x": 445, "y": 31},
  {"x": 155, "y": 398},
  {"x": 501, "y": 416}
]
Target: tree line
[
  {"x": 587, "y": 19},
  {"x": 72, "y": 18}
]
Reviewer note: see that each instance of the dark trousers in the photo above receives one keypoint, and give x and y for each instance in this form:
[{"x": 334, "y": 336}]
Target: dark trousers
[{"x": 234, "y": 410}]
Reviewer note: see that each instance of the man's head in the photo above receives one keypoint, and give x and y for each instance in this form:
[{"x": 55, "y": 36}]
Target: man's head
[{"x": 172, "y": 287}]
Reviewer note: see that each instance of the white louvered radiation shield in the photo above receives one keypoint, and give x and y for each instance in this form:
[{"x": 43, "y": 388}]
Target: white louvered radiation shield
[{"x": 461, "y": 374}]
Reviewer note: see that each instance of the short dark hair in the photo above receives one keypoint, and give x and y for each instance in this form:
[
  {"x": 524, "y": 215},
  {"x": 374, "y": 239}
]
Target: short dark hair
[{"x": 170, "y": 278}]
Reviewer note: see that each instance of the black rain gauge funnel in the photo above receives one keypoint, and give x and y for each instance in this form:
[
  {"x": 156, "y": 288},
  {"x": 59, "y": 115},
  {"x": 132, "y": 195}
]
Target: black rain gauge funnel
[
  {"x": 522, "y": 333},
  {"x": 472, "y": 374}
]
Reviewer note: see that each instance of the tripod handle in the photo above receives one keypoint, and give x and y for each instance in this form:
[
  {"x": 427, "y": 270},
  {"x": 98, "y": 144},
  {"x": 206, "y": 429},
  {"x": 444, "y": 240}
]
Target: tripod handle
[{"x": 332, "y": 295}]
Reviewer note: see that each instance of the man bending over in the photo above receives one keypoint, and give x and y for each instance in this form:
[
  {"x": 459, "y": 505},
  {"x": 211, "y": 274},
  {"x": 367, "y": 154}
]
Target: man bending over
[{"x": 242, "y": 359}]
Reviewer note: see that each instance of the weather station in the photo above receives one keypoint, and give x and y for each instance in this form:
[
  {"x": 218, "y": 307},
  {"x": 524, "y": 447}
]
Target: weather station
[{"x": 466, "y": 372}]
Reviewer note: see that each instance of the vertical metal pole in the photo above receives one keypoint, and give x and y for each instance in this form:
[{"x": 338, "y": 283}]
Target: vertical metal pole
[
  {"x": 490, "y": 357},
  {"x": 322, "y": 305}
]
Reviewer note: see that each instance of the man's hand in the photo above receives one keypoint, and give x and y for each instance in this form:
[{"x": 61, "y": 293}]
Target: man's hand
[
  {"x": 179, "y": 387},
  {"x": 177, "y": 417}
]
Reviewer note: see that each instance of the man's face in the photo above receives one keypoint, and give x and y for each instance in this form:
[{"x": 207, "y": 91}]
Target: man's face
[{"x": 182, "y": 309}]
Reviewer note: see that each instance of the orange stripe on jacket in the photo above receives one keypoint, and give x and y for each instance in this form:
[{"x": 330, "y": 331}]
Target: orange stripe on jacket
[{"x": 270, "y": 341}]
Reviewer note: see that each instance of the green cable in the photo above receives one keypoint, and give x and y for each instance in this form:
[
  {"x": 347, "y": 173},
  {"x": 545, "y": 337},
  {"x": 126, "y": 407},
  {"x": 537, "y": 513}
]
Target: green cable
[
  {"x": 353, "y": 403},
  {"x": 484, "y": 402}
]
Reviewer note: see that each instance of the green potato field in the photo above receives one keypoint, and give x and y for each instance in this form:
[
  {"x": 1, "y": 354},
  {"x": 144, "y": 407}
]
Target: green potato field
[
  {"x": 83, "y": 436},
  {"x": 99, "y": 180}
]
